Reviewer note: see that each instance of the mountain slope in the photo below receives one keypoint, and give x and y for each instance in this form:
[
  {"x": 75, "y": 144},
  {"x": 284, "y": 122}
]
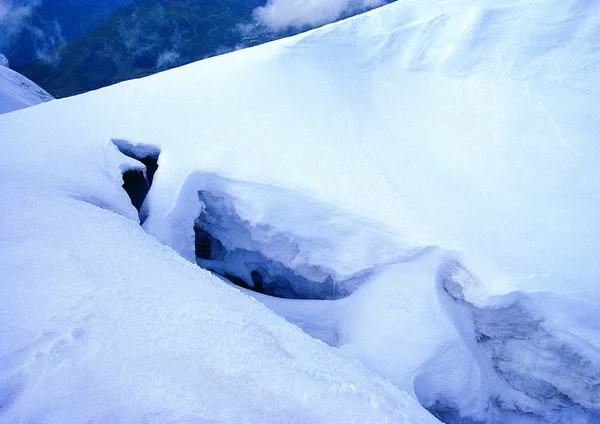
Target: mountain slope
[
  {"x": 415, "y": 187},
  {"x": 141, "y": 38},
  {"x": 148, "y": 36},
  {"x": 18, "y": 92},
  {"x": 51, "y": 23}
]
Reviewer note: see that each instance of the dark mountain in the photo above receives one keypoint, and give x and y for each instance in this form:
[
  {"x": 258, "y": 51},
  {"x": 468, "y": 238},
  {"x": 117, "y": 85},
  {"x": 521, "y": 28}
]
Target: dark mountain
[
  {"x": 53, "y": 23},
  {"x": 145, "y": 37},
  {"x": 142, "y": 38}
]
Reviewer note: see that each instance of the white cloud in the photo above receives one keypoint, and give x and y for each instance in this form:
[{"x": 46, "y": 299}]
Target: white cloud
[
  {"x": 46, "y": 40},
  {"x": 279, "y": 15},
  {"x": 167, "y": 59},
  {"x": 14, "y": 17}
]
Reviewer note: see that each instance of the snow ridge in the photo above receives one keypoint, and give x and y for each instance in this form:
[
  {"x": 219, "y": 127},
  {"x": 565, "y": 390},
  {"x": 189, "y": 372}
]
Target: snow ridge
[{"x": 18, "y": 92}]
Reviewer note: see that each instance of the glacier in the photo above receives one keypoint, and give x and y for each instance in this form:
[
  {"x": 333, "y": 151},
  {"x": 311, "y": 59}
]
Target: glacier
[{"x": 392, "y": 218}]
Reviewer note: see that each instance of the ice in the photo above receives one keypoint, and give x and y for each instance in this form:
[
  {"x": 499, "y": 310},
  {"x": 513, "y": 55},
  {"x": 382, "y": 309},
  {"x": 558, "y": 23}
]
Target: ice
[
  {"x": 294, "y": 245},
  {"x": 423, "y": 177},
  {"x": 534, "y": 363}
]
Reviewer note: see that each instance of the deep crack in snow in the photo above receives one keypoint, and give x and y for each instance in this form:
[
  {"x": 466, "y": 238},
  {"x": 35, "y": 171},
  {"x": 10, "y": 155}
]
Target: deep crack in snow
[{"x": 138, "y": 180}]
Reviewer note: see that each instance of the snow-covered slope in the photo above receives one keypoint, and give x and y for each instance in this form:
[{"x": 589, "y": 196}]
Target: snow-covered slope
[
  {"x": 421, "y": 181},
  {"x": 16, "y": 91}
]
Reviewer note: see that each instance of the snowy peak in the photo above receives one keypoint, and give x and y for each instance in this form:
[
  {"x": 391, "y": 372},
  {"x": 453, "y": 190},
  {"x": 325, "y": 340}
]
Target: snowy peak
[
  {"x": 18, "y": 92},
  {"x": 3, "y": 61}
]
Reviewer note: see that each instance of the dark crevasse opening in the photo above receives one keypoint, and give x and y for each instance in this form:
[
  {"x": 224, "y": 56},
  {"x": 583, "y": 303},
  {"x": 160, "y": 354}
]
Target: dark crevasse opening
[
  {"x": 137, "y": 187},
  {"x": 448, "y": 414},
  {"x": 151, "y": 164},
  {"x": 207, "y": 247},
  {"x": 224, "y": 245},
  {"x": 211, "y": 255},
  {"x": 137, "y": 182},
  {"x": 249, "y": 269}
]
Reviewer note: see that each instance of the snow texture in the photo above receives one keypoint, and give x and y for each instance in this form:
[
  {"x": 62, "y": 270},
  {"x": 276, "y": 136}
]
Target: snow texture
[{"x": 416, "y": 187}]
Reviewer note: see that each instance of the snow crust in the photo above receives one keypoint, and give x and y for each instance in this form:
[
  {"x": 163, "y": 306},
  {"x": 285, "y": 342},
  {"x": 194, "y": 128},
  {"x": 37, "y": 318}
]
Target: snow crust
[
  {"x": 17, "y": 91},
  {"x": 428, "y": 168}
]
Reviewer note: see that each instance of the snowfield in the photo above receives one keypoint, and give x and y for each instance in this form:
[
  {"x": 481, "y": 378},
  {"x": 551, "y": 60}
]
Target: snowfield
[
  {"x": 390, "y": 215},
  {"x": 17, "y": 91}
]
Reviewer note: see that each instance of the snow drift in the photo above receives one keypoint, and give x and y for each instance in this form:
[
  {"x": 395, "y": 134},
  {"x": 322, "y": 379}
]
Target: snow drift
[{"x": 415, "y": 187}]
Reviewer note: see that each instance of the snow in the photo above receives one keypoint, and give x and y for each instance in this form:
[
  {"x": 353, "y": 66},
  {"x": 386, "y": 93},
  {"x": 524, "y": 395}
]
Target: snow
[
  {"x": 155, "y": 339},
  {"x": 16, "y": 91},
  {"x": 421, "y": 179},
  {"x": 310, "y": 238}
]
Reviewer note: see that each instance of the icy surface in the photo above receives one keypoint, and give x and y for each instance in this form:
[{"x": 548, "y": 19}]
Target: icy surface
[
  {"x": 429, "y": 169},
  {"x": 299, "y": 245},
  {"x": 18, "y": 92}
]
